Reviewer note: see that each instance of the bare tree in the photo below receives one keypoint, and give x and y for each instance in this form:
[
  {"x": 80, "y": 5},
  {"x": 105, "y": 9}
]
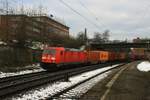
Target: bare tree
[
  {"x": 97, "y": 38},
  {"x": 82, "y": 38},
  {"x": 105, "y": 36}
]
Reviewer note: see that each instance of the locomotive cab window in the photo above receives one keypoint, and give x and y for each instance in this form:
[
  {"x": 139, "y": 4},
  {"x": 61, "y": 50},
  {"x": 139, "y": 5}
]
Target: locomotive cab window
[{"x": 49, "y": 51}]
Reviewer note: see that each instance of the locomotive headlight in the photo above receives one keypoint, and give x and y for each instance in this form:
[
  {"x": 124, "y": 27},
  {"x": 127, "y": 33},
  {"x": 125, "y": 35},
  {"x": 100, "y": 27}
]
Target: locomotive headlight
[
  {"x": 44, "y": 57},
  {"x": 53, "y": 58}
]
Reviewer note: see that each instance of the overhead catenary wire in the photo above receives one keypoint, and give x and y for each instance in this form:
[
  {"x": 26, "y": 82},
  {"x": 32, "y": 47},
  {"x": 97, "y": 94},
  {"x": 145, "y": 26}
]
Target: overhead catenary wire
[
  {"x": 93, "y": 14},
  {"x": 75, "y": 11}
]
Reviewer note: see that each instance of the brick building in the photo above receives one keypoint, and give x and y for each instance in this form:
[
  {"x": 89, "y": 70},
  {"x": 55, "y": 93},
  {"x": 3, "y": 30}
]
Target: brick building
[
  {"x": 19, "y": 27},
  {"x": 52, "y": 26}
]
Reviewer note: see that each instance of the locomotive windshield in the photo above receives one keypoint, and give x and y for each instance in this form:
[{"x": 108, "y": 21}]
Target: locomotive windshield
[{"x": 49, "y": 51}]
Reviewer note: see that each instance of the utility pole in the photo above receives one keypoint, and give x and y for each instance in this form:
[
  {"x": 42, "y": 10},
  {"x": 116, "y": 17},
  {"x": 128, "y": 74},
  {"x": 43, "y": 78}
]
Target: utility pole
[
  {"x": 86, "y": 40},
  {"x": 85, "y": 35},
  {"x": 6, "y": 7},
  {"x": 148, "y": 45},
  {"x": 7, "y": 19},
  {"x": 22, "y": 7}
]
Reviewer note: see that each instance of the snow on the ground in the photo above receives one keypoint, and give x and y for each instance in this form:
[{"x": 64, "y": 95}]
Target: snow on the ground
[
  {"x": 3, "y": 43},
  {"x": 51, "y": 89},
  {"x": 144, "y": 66},
  {"x": 83, "y": 88},
  {"x": 7, "y": 74}
]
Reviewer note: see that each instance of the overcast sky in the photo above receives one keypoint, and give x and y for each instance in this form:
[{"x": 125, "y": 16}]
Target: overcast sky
[{"x": 124, "y": 18}]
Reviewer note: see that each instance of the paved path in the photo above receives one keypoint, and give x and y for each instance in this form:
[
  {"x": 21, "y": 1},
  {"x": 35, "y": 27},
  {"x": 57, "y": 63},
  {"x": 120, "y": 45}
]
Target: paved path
[{"x": 126, "y": 84}]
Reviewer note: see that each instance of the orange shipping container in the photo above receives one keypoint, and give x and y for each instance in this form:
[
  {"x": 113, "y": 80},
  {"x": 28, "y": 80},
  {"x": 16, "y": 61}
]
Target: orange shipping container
[
  {"x": 93, "y": 56},
  {"x": 138, "y": 51},
  {"x": 112, "y": 56},
  {"x": 104, "y": 56}
]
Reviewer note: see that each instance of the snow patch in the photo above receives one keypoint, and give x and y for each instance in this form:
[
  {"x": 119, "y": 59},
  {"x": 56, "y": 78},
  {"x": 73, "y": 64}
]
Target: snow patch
[
  {"x": 144, "y": 66},
  {"x": 83, "y": 88},
  {"x": 8, "y": 74},
  {"x": 51, "y": 89},
  {"x": 3, "y": 43}
]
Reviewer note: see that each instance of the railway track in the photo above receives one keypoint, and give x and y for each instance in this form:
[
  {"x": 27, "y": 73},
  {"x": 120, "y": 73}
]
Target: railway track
[
  {"x": 15, "y": 84},
  {"x": 59, "y": 95}
]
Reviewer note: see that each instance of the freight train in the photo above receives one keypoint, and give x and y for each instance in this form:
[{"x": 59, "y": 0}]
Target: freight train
[
  {"x": 137, "y": 53},
  {"x": 54, "y": 58}
]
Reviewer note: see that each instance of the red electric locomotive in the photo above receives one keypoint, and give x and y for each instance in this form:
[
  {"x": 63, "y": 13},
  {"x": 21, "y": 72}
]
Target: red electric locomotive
[{"x": 54, "y": 57}]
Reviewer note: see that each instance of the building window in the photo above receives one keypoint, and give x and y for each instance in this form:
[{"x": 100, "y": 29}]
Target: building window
[
  {"x": 50, "y": 30},
  {"x": 36, "y": 30}
]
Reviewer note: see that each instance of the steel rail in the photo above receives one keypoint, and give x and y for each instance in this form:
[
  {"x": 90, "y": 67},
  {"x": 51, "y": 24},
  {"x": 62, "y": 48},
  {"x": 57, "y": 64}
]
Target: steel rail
[
  {"x": 18, "y": 84},
  {"x": 57, "y": 95}
]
